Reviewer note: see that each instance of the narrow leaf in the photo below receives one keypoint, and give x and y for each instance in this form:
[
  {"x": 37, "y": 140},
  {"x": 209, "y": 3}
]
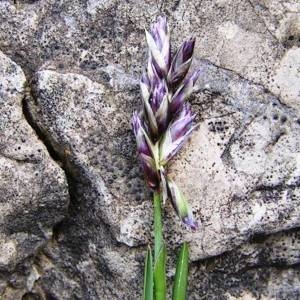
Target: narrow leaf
[
  {"x": 148, "y": 276},
  {"x": 181, "y": 276},
  {"x": 160, "y": 275}
]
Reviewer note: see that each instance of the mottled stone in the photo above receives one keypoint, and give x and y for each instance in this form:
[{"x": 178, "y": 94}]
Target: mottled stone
[
  {"x": 109, "y": 201},
  {"x": 287, "y": 78},
  {"x": 242, "y": 164},
  {"x": 265, "y": 268},
  {"x": 92, "y": 133},
  {"x": 240, "y": 170},
  {"x": 243, "y": 131},
  {"x": 33, "y": 188}
]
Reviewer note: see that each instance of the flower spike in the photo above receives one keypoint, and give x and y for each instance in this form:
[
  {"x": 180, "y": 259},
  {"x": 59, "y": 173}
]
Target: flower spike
[
  {"x": 145, "y": 152},
  {"x": 181, "y": 63},
  {"x": 145, "y": 87},
  {"x": 183, "y": 92},
  {"x": 177, "y": 134},
  {"x": 158, "y": 40},
  {"x": 166, "y": 121}
]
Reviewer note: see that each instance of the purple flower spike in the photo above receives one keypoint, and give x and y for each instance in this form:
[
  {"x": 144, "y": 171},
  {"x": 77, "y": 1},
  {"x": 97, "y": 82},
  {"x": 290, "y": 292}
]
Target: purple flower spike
[
  {"x": 166, "y": 121},
  {"x": 139, "y": 133},
  {"x": 176, "y": 134},
  {"x": 159, "y": 93},
  {"x": 183, "y": 123},
  {"x": 160, "y": 106},
  {"x": 157, "y": 110},
  {"x": 181, "y": 205},
  {"x": 145, "y": 152},
  {"x": 158, "y": 40},
  {"x": 190, "y": 222},
  {"x": 145, "y": 87},
  {"x": 181, "y": 63},
  {"x": 183, "y": 92}
]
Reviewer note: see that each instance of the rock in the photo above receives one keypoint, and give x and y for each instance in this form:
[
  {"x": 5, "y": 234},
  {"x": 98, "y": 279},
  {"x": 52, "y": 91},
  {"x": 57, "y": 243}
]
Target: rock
[
  {"x": 240, "y": 169},
  {"x": 33, "y": 188},
  {"x": 109, "y": 202},
  {"x": 287, "y": 78},
  {"x": 93, "y": 135},
  {"x": 242, "y": 126},
  {"x": 246, "y": 152},
  {"x": 256, "y": 270},
  {"x": 281, "y": 19}
]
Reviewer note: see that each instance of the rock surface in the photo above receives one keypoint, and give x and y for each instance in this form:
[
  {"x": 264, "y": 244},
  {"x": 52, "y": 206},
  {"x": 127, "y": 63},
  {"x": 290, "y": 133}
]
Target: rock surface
[
  {"x": 246, "y": 152},
  {"x": 240, "y": 171},
  {"x": 33, "y": 188}
]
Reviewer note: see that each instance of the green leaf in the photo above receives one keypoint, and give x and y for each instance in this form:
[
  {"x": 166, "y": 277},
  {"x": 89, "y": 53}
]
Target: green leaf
[
  {"x": 148, "y": 276},
  {"x": 181, "y": 276},
  {"x": 160, "y": 274}
]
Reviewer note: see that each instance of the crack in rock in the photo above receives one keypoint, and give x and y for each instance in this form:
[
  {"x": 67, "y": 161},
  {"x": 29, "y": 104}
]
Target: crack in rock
[{"x": 33, "y": 189}]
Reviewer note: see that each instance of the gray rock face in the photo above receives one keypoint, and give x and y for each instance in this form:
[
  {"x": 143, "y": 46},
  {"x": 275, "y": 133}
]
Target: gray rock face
[
  {"x": 246, "y": 155},
  {"x": 240, "y": 170},
  {"x": 33, "y": 188},
  {"x": 92, "y": 136}
]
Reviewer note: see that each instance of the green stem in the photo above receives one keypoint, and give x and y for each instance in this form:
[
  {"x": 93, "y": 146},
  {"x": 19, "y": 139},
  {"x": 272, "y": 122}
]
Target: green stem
[
  {"x": 159, "y": 273},
  {"x": 158, "y": 236}
]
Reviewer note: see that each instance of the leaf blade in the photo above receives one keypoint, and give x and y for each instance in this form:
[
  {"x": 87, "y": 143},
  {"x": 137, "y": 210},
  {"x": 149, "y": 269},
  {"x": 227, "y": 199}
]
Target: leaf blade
[
  {"x": 181, "y": 276},
  {"x": 159, "y": 274},
  {"x": 148, "y": 276}
]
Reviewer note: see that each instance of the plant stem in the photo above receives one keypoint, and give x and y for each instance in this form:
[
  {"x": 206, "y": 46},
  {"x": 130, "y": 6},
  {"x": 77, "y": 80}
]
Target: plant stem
[
  {"x": 158, "y": 236},
  {"x": 159, "y": 273}
]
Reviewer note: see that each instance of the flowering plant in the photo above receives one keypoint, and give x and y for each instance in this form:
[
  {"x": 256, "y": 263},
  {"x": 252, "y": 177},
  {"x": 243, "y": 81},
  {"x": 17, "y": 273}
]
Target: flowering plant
[{"x": 161, "y": 129}]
